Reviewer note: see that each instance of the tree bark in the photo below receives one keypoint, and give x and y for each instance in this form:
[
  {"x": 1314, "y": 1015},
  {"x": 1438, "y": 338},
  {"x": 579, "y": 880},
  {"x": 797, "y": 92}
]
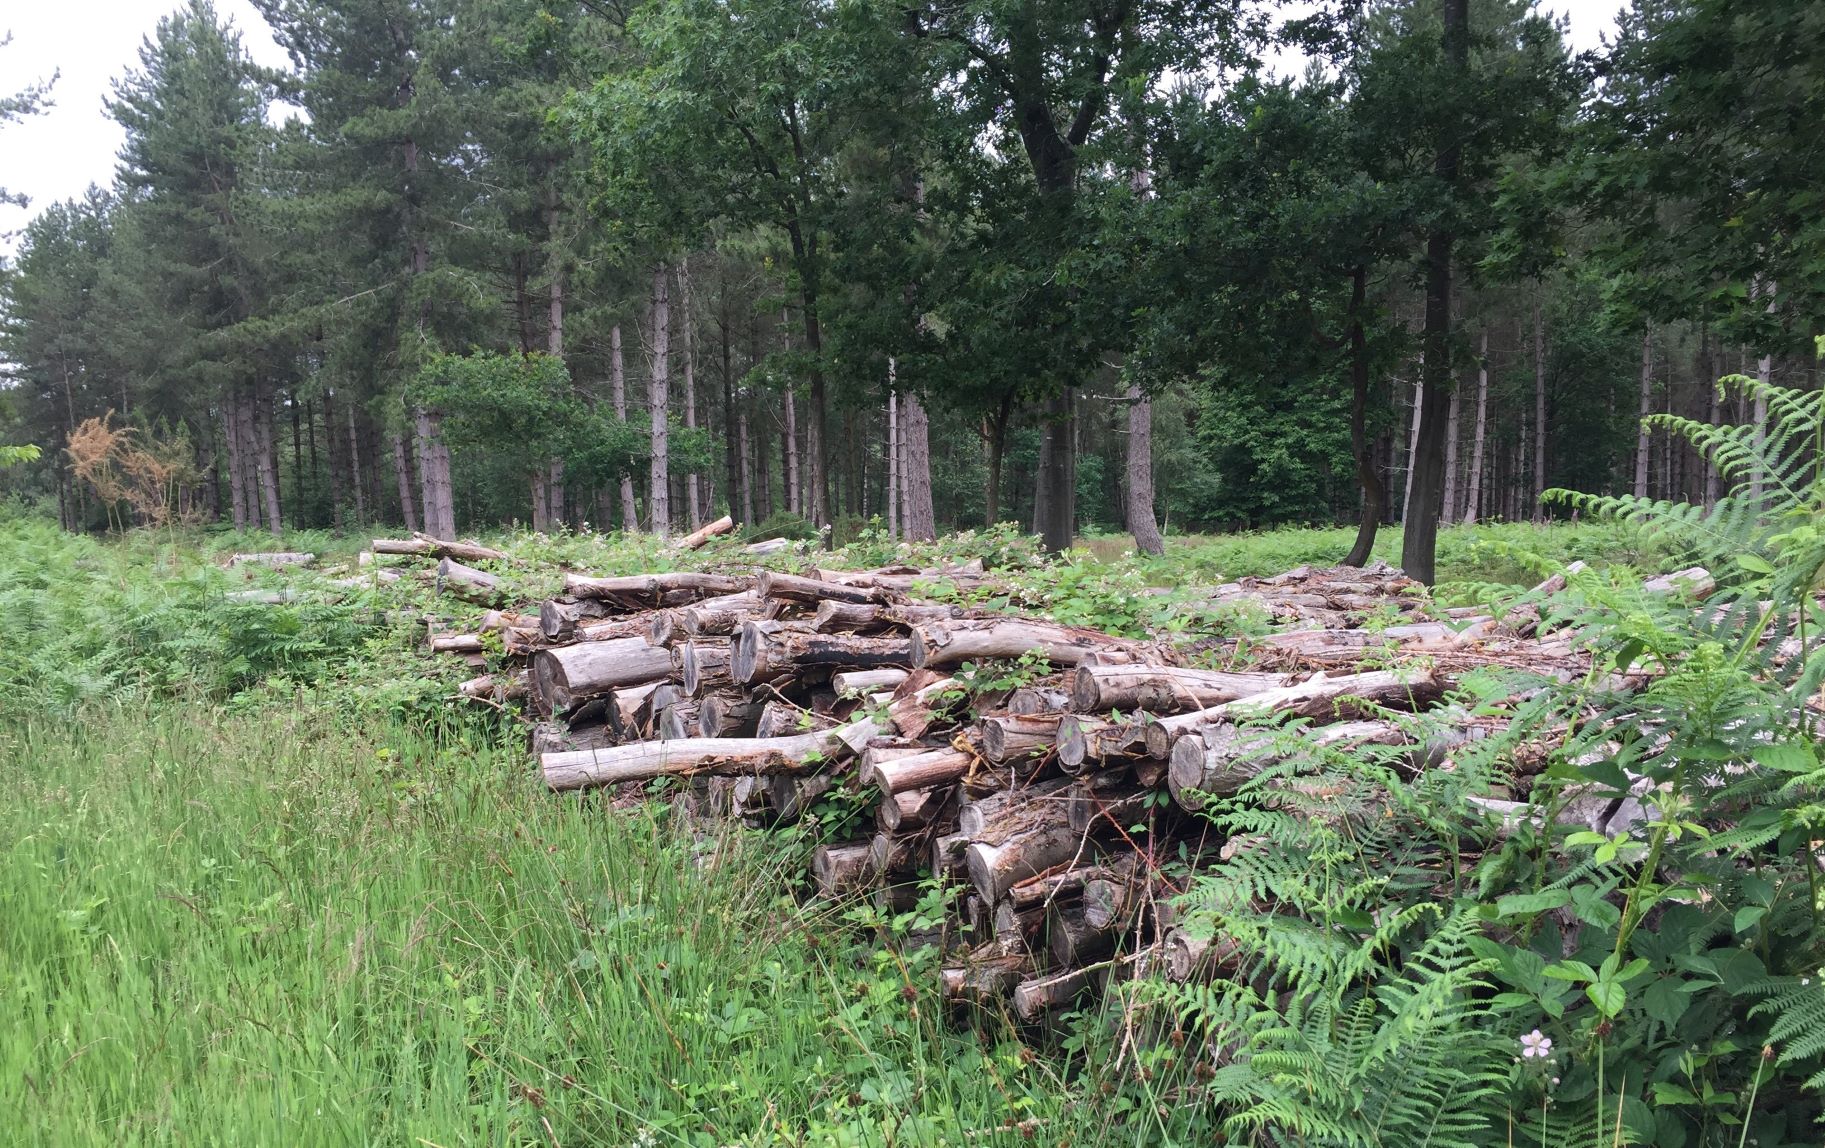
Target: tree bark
[
  {"x": 567, "y": 675},
  {"x": 794, "y": 504},
  {"x": 921, "y": 520},
  {"x": 1374, "y": 493},
  {"x": 237, "y": 462},
  {"x": 1473, "y": 499},
  {"x": 1141, "y": 522},
  {"x": 1161, "y": 689},
  {"x": 1321, "y": 699},
  {"x": 659, "y": 482},
  {"x": 434, "y": 475},
  {"x": 1055, "y": 491},
  {"x": 759, "y": 757},
  {"x": 1539, "y": 483},
  {"x": 1713, "y": 415},
  {"x": 1419, "y": 543},
  {"x": 361, "y": 497},
  {"x": 617, "y": 375},
  {"x": 936, "y": 644},
  {"x": 693, "y": 482},
  {"x": 893, "y": 455},
  {"x": 1642, "y": 440},
  {"x": 402, "y": 472},
  {"x": 1453, "y": 432}
]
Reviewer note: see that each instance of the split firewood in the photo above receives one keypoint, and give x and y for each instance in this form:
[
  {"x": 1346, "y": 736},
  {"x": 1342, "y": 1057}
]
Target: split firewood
[
  {"x": 569, "y": 674},
  {"x": 1013, "y": 737},
  {"x": 941, "y": 644},
  {"x": 644, "y": 761},
  {"x": 767, "y": 651},
  {"x": 650, "y": 591},
  {"x": 703, "y": 534},
  {"x": 1016, "y": 927},
  {"x": 1323, "y": 698},
  {"x": 424, "y": 546},
  {"x": 1161, "y": 689},
  {"x": 466, "y": 582}
]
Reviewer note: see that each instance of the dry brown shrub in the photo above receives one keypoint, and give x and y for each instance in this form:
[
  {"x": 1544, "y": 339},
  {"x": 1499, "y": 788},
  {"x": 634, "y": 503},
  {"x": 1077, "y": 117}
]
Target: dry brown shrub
[{"x": 153, "y": 474}]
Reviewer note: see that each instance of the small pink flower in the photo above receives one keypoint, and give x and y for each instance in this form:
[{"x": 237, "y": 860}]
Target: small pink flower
[{"x": 1536, "y": 1044}]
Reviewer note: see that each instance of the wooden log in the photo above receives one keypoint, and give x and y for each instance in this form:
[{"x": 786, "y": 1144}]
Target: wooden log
[
  {"x": 950, "y": 855},
  {"x": 1190, "y": 957},
  {"x": 751, "y": 799},
  {"x": 1113, "y": 898},
  {"x": 867, "y": 681},
  {"x": 840, "y": 869},
  {"x": 556, "y": 737},
  {"x": 678, "y": 720},
  {"x": 560, "y": 617},
  {"x": 1021, "y": 840},
  {"x": 767, "y": 651},
  {"x": 1016, "y": 926},
  {"x": 1030, "y": 700},
  {"x": 915, "y": 809},
  {"x": 1217, "y": 759},
  {"x": 569, "y": 674},
  {"x": 783, "y": 719},
  {"x": 457, "y": 644},
  {"x": 468, "y": 583},
  {"x": 630, "y": 709},
  {"x": 770, "y": 546},
  {"x": 1011, "y": 737},
  {"x": 482, "y": 687},
  {"x": 607, "y": 629},
  {"x": 894, "y": 856},
  {"x": 915, "y": 713},
  {"x": 703, "y": 534},
  {"x": 272, "y": 558},
  {"x": 1036, "y": 996},
  {"x": 943, "y": 644},
  {"x": 805, "y": 753},
  {"x": 793, "y": 797},
  {"x": 651, "y": 591},
  {"x": 1071, "y": 939},
  {"x": 424, "y": 546},
  {"x": 916, "y": 771},
  {"x": 1695, "y": 582},
  {"x": 1086, "y": 743},
  {"x": 723, "y": 614},
  {"x": 703, "y": 666},
  {"x": 986, "y": 976},
  {"x": 1091, "y": 808},
  {"x": 501, "y": 620},
  {"x": 1322, "y": 698},
  {"x": 978, "y": 815},
  {"x": 1161, "y": 689},
  {"x": 728, "y": 715},
  {"x": 811, "y": 591}
]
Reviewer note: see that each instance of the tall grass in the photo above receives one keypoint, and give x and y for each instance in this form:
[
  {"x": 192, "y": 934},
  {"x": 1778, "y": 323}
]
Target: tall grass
[{"x": 246, "y": 931}]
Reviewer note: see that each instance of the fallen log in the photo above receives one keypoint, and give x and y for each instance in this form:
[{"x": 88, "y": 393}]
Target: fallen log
[
  {"x": 722, "y": 614},
  {"x": 767, "y": 651},
  {"x": 1217, "y": 759},
  {"x": 1161, "y": 689},
  {"x": 424, "y": 546},
  {"x": 703, "y": 534},
  {"x": 985, "y": 976},
  {"x": 559, "y": 618},
  {"x": 457, "y": 644},
  {"x": 651, "y": 591},
  {"x": 840, "y": 869},
  {"x": 704, "y": 666},
  {"x": 867, "y": 682},
  {"x": 915, "y": 771},
  {"x": 1191, "y": 957},
  {"x": 1014, "y": 737},
  {"x": 942, "y": 644},
  {"x": 804, "y": 753},
  {"x": 915, "y": 809},
  {"x": 1086, "y": 743},
  {"x": 569, "y": 674},
  {"x": 1322, "y": 698},
  {"x": 811, "y": 591},
  {"x": 469, "y": 583},
  {"x": 272, "y": 558},
  {"x": 728, "y": 715}
]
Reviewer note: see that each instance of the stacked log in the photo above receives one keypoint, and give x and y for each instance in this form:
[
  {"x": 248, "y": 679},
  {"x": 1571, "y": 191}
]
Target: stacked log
[{"x": 1052, "y": 812}]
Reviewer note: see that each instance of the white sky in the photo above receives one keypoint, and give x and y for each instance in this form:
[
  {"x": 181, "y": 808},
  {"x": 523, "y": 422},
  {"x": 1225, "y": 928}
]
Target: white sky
[{"x": 56, "y": 156}]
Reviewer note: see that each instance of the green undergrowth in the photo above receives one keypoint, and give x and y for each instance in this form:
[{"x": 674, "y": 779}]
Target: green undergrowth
[{"x": 251, "y": 930}]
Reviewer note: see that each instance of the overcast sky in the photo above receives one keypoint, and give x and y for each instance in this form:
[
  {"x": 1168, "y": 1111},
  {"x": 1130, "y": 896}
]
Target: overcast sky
[{"x": 58, "y": 155}]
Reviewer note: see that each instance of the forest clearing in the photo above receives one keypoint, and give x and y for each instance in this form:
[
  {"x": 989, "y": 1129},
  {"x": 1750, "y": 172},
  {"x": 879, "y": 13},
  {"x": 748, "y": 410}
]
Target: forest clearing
[{"x": 770, "y": 572}]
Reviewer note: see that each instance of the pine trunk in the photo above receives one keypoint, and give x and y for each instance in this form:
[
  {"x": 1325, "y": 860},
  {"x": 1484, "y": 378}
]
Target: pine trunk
[
  {"x": 361, "y": 498},
  {"x": 402, "y": 473},
  {"x": 434, "y": 476},
  {"x": 1055, "y": 494},
  {"x": 921, "y": 519},
  {"x": 231, "y": 434},
  {"x": 659, "y": 495},
  {"x": 1713, "y": 415},
  {"x": 1474, "y": 499},
  {"x": 893, "y": 456},
  {"x": 617, "y": 374},
  {"x": 1539, "y": 476},
  {"x": 793, "y": 504},
  {"x": 1642, "y": 440},
  {"x": 693, "y": 483},
  {"x": 1374, "y": 493},
  {"x": 1454, "y": 429},
  {"x": 268, "y": 460},
  {"x": 1141, "y": 522}
]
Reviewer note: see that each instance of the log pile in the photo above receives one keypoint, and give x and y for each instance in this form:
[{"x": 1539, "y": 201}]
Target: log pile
[{"x": 1051, "y": 811}]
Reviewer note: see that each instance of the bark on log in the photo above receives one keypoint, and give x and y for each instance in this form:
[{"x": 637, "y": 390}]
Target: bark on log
[
  {"x": 1161, "y": 689},
  {"x": 894, "y": 857},
  {"x": 1013, "y": 809},
  {"x": 728, "y": 715},
  {"x": 559, "y": 618},
  {"x": 938, "y": 644},
  {"x": 1035, "y": 997},
  {"x": 630, "y": 710},
  {"x": 272, "y": 558},
  {"x": 914, "y": 713},
  {"x": 678, "y": 721},
  {"x": 804, "y": 753},
  {"x": 424, "y": 546},
  {"x": 1016, "y": 927},
  {"x": 457, "y": 644},
  {"x": 1195, "y": 958},
  {"x": 556, "y": 737},
  {"x": 1216, "y": 759},
  {"x": 985, "y": 977},
  {"x": 793, "y": 797},
  {"x": 1036, "y": 700},
  {"x": 810, "y": 591},
  {"x": 1017, "y": 738},
  {"x": 916, "y": 771},
  {"x": 1021, "y": 841},
  {"x": 703, "y": 534},
  {"x": 1073, "y": 940},
  {"x": 1322, "y": 698},
  {"x": 467, "y": 582},
  {"x": 1090, "y": 808},
  {"x": 767, "y": 651},
  {"x": 1086, "y": 743},
  {"x": 722, "y": 614},
  {"x": 867, "y": 682},
  {"x": 650, "y": 591},
  {"x": 570, "y": 674},
  {"x": 704, "y": 666},
  {"x": 950, "y": 855},
  {"x": 915, "y": 809},
  {"x": 782, "y": 719}
]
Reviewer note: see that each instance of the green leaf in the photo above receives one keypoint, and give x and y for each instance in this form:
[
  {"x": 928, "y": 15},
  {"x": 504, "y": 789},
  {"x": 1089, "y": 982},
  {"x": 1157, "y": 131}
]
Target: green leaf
[
  {"x": 1747, "y": 917},
  {"x": 1608, "y": 996},
  {"x": 1754, "y": 564},
  {"x": 1571, "y": 971},
  {"x": 1664, "y": 1001},
  {"x": 1787, "y": 757},
  {"x": 1518, "y": 903}
]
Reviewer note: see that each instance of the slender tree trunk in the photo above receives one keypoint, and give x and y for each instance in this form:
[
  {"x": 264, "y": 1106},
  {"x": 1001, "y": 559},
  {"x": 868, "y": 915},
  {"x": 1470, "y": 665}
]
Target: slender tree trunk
[
  {"x": 893, "y": 455},
  {"x": 745, "y": 447},
  {"x": 231, "y": 434},
  {"x": 916, "y": 479},
  {"x": 793, "y": 504},
  {"x": 617, "y": 374},
  {"x": 659, "y": 493},
  {"x": 1539, "y": 476},
  {"x": 1453, "y": 431},
  {"x": 1055, "y": 493},
  {"x": 693, "y": 489},
  {"x": 541, "y": 500},
  {"x": 361, "y": 498},
  {"x": 1713, "y": 415},
  {"x": 1473, "y": 503},
  {"x": 434, "y": 475},
  {"x": 734, "y": 436},
  {"x": 268, "y": 459},
  {"x": 1141, "y": 522},
  {"x": 1368, "y": 478},
  {"x": 297, "y": 457},
  {"x": 310, "y": 440},
  {"x": 1419, "y": 545},
  {"x": 1419, "y": 405},
  {"x": 1642, "y": 441},
  {"x": 995, "y": 438},
  {"x": 337, "y": 471},
  {"x": 402, "y": 474},
  {"x": 250, "y": 464}
]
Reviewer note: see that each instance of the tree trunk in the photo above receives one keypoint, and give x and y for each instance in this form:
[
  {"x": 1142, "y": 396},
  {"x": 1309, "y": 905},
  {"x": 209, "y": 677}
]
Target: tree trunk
[
  {"x": 402, "y": 473},
  {"x": 936, "y": 644},
  {"x": 1454, "y": 429},
  {"x": 1055, "y": 492},
  {"x": 361, "y": 498},
  {"x": 231, "y": 434},
  {"x": 793, "y": 504},
  {"x": 693, "y": 482},
  {"x": 1161, "y": 689},
  {"x": 1419, "y": 544},
  {"x": 1419, "y": 403},
  {"x": 1642, "y": 441},
  {"x": 434, "y": 475},
  {"x": 1539, "y": 483},
  {"x": 268, "y": 459},
  {"x": 1141, "y": 522},
  {"x": 1713, "y": 415},
  {"x": 337, "y": 477},
  {"x": 921, "y": 520},
  {"x": 893, "y": 455},
  {"x": 758, "y": 757},
  {"x": 617, "y": 373},
  {"x": 1474, "y": 498},
  {"x": 1374, "y": 494},
  {"x": 745, "y": 448},
  {"x": 659, "y": 479}
]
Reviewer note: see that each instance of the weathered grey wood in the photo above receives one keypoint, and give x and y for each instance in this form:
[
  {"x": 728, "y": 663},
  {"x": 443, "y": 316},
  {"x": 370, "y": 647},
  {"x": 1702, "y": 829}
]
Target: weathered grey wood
[
  {"x": 1161, "y": 689},
  {"x": 767, "y": 651},
  {"x": 569, "y": 674},
  {"x": 811, "y": 591},
  {"x": 894, "y": 856},
  {"x": 424, "y": 546},
  {"x": 1218, "y": 758},
  {"x": 977, "y": 815},
  {"x": 630, "y": 709},
  {"x": 556, "y": 737},
  {"x": 914, "y": 713},
  {"x": 1105, "y": 808},
  {"x": 456, "y": 644},
  {"x": 1015, "y": 925},
  {"x": 986, "y": 976},
  {"x": 1035, "y": 997},
  {"x": 703, "y": 534},
  {"x": 559, "y": 618},
  {"x": 1191, "y": 957},
  {"x": 805, "y": 753},
  {"x": 1071, "y": 939},
  {"x": 942, "y": 644},
  {"x": 728, "y": 715},
  {"x": 704, "y": 665},
  {"x": 468, "y": 583},
  {"x": 1086, "y": 743},
  {"x": 949, "y": 855},
  {"x": 783, "y": 719},
  {"x": 841, "y": 869},
  {"x": 915, "y": 809},
  {"x": 650, "y": 591},
  {"x": 793, "y": 797},
  {"x": 272, "y": 558},
  {"x": 1021, "y": 840},
  {"x": 723, "y": 614},
  {"x": 1322, "y": 698},
  {"x": 1010, "y": 737},
  {"x": 916, "y": 771},
  {"x": 867, "y": 681},
  {"x": 1037, "y": 700}
]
